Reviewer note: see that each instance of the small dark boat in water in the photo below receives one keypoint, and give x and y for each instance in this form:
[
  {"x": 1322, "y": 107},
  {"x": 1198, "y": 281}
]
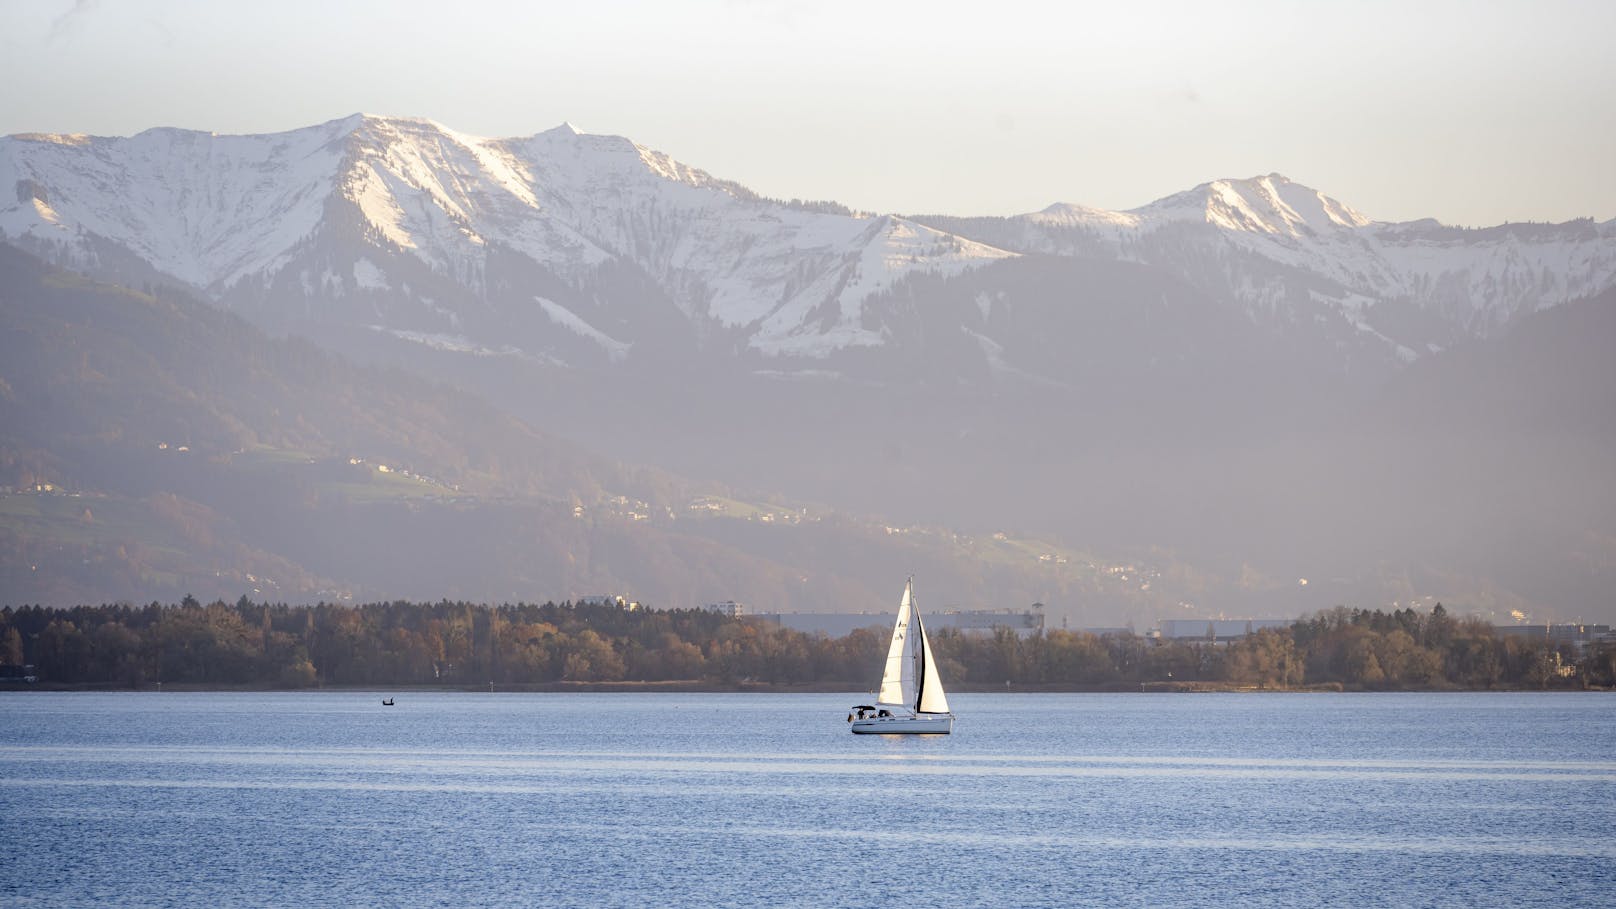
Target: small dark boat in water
[{"x": 387, "y": 702}]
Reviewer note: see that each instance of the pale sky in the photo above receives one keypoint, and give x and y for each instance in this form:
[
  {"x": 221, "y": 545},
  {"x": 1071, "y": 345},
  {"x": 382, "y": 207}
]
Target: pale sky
[{"x": 1470, "y": 112}]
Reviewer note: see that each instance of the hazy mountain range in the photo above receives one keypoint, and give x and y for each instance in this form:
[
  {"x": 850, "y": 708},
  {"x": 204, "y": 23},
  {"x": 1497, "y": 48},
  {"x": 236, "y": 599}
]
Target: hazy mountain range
[
  {"x": 1240, "y": 385},
  {"x": 571, "y": 246}
]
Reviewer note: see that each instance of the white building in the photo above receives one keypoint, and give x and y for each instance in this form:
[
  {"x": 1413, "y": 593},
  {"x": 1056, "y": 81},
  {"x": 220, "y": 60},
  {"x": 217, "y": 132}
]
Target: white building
[{"x": 728, "y": 607}]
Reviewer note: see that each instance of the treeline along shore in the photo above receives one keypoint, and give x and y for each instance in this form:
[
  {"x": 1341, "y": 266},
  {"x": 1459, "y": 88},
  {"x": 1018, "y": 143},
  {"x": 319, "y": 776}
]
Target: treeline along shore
[{"x": 461, "y": 645}]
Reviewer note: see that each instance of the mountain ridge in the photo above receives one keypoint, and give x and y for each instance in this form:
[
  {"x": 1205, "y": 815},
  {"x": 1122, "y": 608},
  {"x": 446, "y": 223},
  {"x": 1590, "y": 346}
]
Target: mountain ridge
[
  {"x": 297, "y": 225},
  {"x": 1187, "y": 378}
]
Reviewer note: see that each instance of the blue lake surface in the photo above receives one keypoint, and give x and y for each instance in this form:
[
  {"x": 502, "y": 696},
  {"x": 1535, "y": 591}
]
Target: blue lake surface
[{"x": 710, "y": 800}]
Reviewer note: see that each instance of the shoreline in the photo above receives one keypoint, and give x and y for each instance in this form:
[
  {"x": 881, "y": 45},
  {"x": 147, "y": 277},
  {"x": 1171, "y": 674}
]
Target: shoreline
[{"x": 707, "y": 687}]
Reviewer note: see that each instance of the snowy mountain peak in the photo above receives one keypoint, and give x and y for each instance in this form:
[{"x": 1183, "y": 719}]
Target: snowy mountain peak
[
  {"x": 406, "y": 226},
  {"x": 389, "y": 219},
  {"x": 201, "y": 207},
  {"x": 1292, "y": 258},
  {"x": 55, "y": 138},
  {"x": 1063, "y": 214},
  {"x": 1270, "y": 204}
]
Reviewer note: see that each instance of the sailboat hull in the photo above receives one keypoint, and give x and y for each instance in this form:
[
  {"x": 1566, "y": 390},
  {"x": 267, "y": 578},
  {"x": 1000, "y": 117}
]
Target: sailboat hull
[{"x": 933, "y": 724}]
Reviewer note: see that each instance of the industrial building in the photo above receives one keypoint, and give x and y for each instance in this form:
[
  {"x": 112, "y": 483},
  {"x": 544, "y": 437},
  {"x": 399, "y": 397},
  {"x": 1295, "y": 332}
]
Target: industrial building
[
  {"x": 1024, "y": 622},
  {"x": 1214, "y": 630},
  {"x": 1579, "y": 636}
]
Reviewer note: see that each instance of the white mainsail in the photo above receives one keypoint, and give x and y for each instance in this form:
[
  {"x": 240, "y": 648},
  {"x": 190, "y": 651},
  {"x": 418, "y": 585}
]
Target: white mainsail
[{"x": 898, "y": 678}]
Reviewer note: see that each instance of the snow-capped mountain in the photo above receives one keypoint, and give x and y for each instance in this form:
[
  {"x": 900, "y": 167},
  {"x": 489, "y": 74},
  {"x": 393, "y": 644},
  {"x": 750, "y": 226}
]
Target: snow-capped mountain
[
  {"x": 1188, "y": 373},
  {"x": 1288, "y": 253},
  {"x": 582, "y": 248},
  {"x": 437, "y": 235}
]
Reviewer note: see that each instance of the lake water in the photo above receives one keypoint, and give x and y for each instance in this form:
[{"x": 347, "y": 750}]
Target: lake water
[{"x": 710, "y": 800}]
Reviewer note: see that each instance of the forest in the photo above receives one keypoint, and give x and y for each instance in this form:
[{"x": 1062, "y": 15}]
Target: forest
[{"x": 466, "y": 645}]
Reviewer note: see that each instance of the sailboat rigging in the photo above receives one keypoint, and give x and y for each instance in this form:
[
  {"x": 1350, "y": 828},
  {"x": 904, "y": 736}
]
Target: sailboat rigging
[{"x": 911, "y": 698}]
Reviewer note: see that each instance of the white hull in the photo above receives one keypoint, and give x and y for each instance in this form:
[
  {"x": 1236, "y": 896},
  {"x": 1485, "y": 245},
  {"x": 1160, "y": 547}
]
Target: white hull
[{"x": 934, "y": 724}]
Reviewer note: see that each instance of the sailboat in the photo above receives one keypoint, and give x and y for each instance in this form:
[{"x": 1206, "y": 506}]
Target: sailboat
[{"x": 911, "y": 699}]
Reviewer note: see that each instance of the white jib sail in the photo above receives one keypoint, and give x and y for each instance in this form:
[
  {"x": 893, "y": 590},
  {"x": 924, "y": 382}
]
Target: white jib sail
[
  {"x": 932, "y": 698},
  {"x": 898, "y": 678}
]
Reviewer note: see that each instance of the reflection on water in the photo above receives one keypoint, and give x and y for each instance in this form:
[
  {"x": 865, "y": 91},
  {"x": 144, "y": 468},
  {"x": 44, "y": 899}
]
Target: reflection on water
[
  {"x": 446, "y": 767},
  {"x": 1160, "y": 800}
]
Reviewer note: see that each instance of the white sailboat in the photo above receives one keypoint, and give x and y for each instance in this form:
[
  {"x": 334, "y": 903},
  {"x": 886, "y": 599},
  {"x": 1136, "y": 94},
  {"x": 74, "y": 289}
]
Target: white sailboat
[{"x": 911, "y": 699}]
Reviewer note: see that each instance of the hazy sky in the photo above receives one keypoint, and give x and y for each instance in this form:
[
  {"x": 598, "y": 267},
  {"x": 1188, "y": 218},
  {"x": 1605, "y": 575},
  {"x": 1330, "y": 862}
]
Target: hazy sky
[{"x": 1472, "y": 112}]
